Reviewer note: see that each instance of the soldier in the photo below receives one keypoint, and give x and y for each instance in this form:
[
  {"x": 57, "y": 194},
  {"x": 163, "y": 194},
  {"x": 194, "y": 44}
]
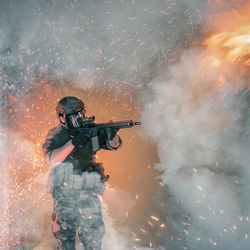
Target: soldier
[{"x": 76, "y": 181}]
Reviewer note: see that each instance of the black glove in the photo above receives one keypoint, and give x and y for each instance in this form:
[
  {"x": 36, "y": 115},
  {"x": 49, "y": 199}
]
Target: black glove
[
  {"x": 105, "y": 134},
  {"x": 80, "y": 140},
  {"x": 111, "y": 133}
]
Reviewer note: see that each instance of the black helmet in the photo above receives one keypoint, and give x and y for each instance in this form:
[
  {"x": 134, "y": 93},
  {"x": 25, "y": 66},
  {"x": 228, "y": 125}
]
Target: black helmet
[{"x": 72, "y": 110}]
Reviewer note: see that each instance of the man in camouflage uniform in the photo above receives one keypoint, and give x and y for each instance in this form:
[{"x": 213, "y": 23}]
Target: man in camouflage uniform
[{"x": 76, "y": 181}]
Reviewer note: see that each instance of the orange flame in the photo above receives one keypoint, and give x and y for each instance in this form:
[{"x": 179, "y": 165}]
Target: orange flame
[{"x": 231, "y": 46}]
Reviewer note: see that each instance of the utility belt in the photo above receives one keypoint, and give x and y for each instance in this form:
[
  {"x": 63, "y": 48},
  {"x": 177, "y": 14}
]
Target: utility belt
[
  {"x": 89, "y": 166},
  {"x": 76, "y": 175}
]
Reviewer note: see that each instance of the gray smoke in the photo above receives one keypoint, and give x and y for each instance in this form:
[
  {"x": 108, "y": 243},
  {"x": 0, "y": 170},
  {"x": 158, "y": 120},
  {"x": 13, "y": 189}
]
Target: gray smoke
[
  {"x": 202, "y": 130},
  {"x": 97, "y": 43}
]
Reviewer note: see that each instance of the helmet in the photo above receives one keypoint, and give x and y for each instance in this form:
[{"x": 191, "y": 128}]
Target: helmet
[{"x": 72, "y": 110}]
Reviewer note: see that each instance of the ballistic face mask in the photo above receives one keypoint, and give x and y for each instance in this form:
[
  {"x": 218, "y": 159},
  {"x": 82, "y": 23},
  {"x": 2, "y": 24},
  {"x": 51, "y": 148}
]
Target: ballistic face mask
[
  {"x": 75, "y": 120},
  {"x": 72, "y": 110}
]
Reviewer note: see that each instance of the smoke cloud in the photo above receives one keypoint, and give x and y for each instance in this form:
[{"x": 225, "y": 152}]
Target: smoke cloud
[{"x": 202, "y": 133}]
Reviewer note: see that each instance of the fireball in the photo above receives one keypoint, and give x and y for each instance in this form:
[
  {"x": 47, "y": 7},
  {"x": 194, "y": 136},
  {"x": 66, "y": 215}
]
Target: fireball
[{"x": 231, "y": 46}]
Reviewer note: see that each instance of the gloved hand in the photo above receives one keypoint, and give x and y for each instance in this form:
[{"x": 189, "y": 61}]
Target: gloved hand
[
  {"x": 80, "y": 140},
  {"x": 111, "y": 133},
  {"x": 105, "y": 135}
]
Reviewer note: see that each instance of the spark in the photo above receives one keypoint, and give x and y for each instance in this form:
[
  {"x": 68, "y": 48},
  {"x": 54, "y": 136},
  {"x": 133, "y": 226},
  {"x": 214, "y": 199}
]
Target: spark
[
  {"x": 133, "y": 234},
  {"x": 195, "y": 170},
  {"x": 150, "y": 223},
  {"x": 155, "y": 218},
  {"x": 188, "y": 218},
  {"x": 213, "y": 242}
]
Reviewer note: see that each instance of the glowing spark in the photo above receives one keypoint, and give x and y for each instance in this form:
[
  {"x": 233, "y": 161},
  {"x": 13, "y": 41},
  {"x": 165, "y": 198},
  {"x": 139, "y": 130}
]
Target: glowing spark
[
  {"x": 154, "y": 218},
  {"x": 150, "y": 223},
  {"x": 134, "y": 234},
  {"x": 188, "y": 218},
  {"x": 100, "y": 198},
  {"x": 213, "y": 242},
  {"x": 195, "y": 170}
]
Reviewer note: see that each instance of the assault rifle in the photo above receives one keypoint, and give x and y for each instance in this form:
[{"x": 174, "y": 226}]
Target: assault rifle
[{"x": 91, "y": 128}]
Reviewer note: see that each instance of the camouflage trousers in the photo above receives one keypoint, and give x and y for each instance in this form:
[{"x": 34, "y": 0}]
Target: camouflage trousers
[
  {"x": 77, "y": 207},
  {"x": 82, "y": 216},
  {"x": 78, "y": 211}
]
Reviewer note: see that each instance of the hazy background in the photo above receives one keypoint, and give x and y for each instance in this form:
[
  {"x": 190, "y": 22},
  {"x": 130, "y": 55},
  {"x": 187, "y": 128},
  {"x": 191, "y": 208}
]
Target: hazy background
[{"x": 179, "y": 182}]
